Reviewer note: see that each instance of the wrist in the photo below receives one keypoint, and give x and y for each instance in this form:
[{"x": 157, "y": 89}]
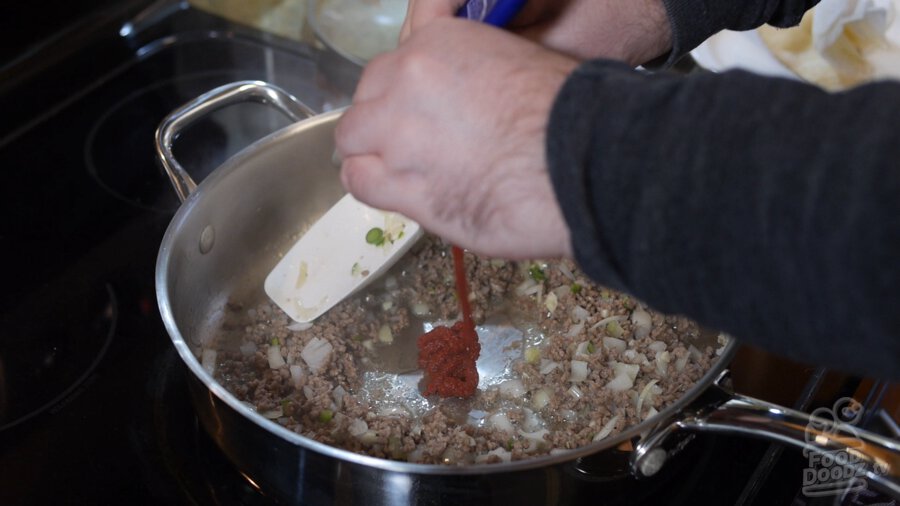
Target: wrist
[{"x": 649, "y": 34}]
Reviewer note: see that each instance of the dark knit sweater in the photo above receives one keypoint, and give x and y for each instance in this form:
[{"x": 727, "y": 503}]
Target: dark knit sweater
[{"x": 763, "y": 207}]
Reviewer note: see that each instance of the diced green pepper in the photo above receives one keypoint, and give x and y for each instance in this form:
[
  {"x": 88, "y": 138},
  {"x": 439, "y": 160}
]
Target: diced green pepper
[
  {"x": 537, "y": 273},
  {"x": 375, "y": 236}
]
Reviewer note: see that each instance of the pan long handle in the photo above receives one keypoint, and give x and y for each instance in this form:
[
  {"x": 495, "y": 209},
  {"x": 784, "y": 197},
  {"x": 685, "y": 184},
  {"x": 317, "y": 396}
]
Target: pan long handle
[
  {"x": 841, "y": 456},
  {"x": 229, "y": 94}
]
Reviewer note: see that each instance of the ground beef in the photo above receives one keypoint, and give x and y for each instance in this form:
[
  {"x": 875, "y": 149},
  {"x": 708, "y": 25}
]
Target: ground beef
[{"x": 585, "y": 356}]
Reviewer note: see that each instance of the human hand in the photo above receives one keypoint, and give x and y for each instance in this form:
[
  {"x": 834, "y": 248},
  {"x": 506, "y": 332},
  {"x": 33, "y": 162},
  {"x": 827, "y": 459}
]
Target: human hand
[
  {"x": 633, "y": 31},
  {"x": 455, "y": 139}
]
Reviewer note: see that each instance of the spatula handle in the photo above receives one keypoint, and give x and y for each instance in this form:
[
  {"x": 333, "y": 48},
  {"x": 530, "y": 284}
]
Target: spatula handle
[{"x": 492, "y": 12}]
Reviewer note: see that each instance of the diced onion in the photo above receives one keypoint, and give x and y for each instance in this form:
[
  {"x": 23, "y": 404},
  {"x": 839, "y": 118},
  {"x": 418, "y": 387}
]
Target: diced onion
[
  {"x": 662, "y": 362},
  {"x": 607, "y": 428},
  {"x": 535, "y": 439},
  {"x": 527, "y": 287},
  {"x": 624, "y": 376},
  {"x": 642, "y": 322},
  {"x": 300, "y": 326},
  {"x": 532, "y": 354},
  {"x": 420, "y": 309},
  {"x": 620, "y": 383},
  {"x": 562, "y": 291},
  {"x": 681, "y": 362},
  {"x": 575, "y": 329},
  {"x": 582, "y": 349},
  {"x": 695, "y": 353},
  {"x": 512, "y": 389},
  {"x": 578, "y": 371},
  {"x": 540, "y": 399},
  {"x": 368, "y": 437},
  {"x": 657, "y": 346},
  {"x": 503, "y": 454},
  {"x": 501, "y": 421},
  {"x": 613, "y": 343},
  {"x": 580, "y": 314},
  {"x": 564, "y": 269},
  {"x": 208, "y": 360},
  {"x": 551, "y": 302},
  {"x": 607, "y": 320},
  {"x": 338, "y": 395},
  {"x": 393, "y": 226},
  {"x": 274, "y": 356},
  {"x": 547, "y": 366},
  {"x": 316, "y": 354},
  {"x": 532, "y": 421},
  {"x": 723, "y": 341},
  {"x": 621, "y": 368},
  {"x": 576, "y": 392},
  {"x": 357, "y": 427},
  {"x": 635, "y": 357},
  {"x": 651, "y": 413},
  {"x": 296, "y": 374},
  {"x": 272, "y": 414},
  {"x": 533, "y": 289},
  {"x": 645, "y": 394},
  {"x": 385, "y": 335}
]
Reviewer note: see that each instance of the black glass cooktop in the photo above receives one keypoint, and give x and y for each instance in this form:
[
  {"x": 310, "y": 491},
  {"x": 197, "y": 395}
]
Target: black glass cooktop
[{"x": 93, "y": 408}]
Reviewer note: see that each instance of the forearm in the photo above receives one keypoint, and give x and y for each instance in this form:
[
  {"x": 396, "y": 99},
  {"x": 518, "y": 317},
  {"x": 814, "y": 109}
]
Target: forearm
[{"x": 762, "y": 207}]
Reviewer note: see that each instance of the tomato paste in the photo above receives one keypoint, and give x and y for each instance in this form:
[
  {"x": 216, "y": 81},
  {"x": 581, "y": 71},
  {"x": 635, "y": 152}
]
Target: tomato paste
[{"x": 448, "y": 355}]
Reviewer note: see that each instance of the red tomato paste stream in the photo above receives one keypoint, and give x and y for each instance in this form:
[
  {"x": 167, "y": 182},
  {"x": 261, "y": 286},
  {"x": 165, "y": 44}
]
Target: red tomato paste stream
[{"x": 448, "y": 355}]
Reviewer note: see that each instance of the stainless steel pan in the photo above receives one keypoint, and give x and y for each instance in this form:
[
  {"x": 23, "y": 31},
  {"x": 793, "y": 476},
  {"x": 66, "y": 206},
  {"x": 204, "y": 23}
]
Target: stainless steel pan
[{"x": 209, "y": 254}]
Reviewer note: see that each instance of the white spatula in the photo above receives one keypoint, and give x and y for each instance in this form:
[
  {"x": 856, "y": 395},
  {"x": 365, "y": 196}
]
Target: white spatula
[
  {"x": 352, "y": 244},
  {"x": 349, "y": 246}
]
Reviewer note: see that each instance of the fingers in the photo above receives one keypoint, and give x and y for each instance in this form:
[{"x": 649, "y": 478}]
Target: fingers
[
  {"x": 373, "y": 183},
  {"x": 360, "y": 130},
  {"x": 365, "y": 171},
  {"x": 421, "y": 12},
  {"x": 376, "y": 78}
]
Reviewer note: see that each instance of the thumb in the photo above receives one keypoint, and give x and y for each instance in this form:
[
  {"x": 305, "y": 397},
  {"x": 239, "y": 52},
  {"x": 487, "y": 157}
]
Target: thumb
[{"x": 421, "y": 12}]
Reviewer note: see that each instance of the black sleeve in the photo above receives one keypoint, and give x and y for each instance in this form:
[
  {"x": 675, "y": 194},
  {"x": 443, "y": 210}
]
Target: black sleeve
[
  {"x": 693, "y": 21},
  {"x": 766, "y": 208}
]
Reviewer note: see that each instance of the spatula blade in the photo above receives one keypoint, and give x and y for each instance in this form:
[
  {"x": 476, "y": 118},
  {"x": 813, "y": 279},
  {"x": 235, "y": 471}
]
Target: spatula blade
[{"x": 333, "y": 259}]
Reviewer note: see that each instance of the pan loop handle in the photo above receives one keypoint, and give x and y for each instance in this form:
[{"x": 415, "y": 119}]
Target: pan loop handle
[
  {"x": 856, "y": 455},
  {"x": 229, "y": 94}
]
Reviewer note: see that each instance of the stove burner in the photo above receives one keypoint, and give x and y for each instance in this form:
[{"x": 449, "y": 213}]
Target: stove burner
[
  {"x": 132, "y": 122},
  {"x": 138, "y": 181},
  {"x": 44, "y": 362},
  {"x": 118, "y": 151}
]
